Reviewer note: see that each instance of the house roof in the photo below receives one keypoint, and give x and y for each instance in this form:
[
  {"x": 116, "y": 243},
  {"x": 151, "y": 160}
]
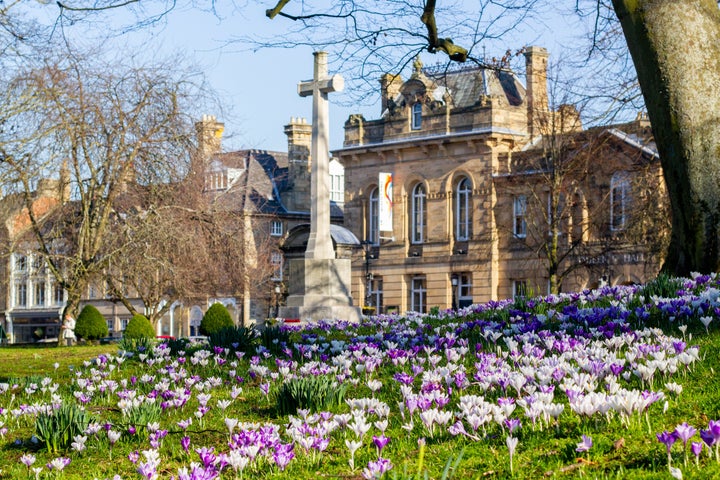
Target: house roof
[
  {"x": 261, "y": 176},
  {"x": 467, "y": 85}
]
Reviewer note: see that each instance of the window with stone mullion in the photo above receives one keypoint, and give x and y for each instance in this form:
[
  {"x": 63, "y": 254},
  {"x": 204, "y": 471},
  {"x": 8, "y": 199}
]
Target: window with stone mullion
[{"x": 418, "y": 214}]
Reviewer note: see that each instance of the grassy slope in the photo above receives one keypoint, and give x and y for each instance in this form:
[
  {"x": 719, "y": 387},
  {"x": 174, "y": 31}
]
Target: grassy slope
[{"x": 618, "y": 452}]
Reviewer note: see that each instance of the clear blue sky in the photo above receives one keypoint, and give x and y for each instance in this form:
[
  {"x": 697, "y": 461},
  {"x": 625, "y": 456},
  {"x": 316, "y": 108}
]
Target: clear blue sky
[{"x": 259, "y": 89}]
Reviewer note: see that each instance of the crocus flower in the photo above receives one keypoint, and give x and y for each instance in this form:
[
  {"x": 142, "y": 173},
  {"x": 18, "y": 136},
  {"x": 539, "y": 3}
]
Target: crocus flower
[
  {"x": 684, "y": 432},
  {"x": 27, "y": 459},
  {"x": 185, "y": 443},
  {"x": 58, "y": 464},
  {"x": 376, "y": 469},
  {"x": 696, "y": 449},
  {"x": 585, "y": 445},
  {"x": 380, "y": 442},
  {"x": 511, "y": 443},
  {"x": 283, "y": 455}
]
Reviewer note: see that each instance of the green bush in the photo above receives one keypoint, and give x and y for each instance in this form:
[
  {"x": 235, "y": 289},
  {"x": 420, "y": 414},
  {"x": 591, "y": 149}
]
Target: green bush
[
  {"x": 313, "y": 393},
  {"x": 216, "y": 318},
  {"x": 91, "y": 325},
  {"x": 139, "y": 327},
  {"x": 235, "y": 338},
  {"x": 57, "y": 428}
]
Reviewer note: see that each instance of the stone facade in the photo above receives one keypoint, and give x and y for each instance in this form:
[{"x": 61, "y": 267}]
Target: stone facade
[{"x": 463, "y": 147}]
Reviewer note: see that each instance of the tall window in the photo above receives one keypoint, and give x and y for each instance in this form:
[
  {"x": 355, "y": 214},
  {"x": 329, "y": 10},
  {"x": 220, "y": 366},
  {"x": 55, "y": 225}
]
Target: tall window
[
  {"x": 276, "y": 259},
  {"x": 337, "y": 181},
  {"x": 519, "y": 288},
  {"x": 376, "y": 293},
  {"x": 417, "y": 116},
  {"x": 464, "y": 290},
  {"x": 277, "y": 228},
  {"x": 373, "y": 220},
  {"x": 463, "y": 211},
  {"x": 21, "y": 294},
  {"x": 58, "y": 294},
  {"x": 337, "y": 188},
  {"x": 418, "y": 295},
  {"x": 40, "y": 293},
  {"x": 418, "y": 214},
  {"x": 519, "y": 212},
  {"x": 619, "y": 199}
]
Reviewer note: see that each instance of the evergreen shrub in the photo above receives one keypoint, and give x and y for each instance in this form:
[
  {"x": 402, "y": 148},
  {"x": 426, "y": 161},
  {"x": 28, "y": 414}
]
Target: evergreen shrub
[
  {"x": 216, "y": 318},
  {"x": 139, "y": 327},
  {"x": 90, "y": 324}
]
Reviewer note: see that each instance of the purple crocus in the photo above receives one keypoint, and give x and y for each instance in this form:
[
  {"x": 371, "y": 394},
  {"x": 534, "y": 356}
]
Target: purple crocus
[
  {"x": 667, "y": 438},
  {"x": 207, "y": 455},
  {"x": 185, "y": 443},
  {"x": 696, "y": 449},
  {"x": 283, "y": 454},
  {"x": 380, "y": 442}
]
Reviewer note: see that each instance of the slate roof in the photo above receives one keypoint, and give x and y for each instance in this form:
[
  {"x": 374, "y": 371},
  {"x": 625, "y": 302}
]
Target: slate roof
[
  {"x": 467, "y": 85},
  {"x": 257, "y": 189}
]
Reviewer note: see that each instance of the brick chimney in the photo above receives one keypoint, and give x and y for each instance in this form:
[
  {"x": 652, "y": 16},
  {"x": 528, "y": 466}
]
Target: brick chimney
[
  {"x": 297, "y": 196},
  {"x": 536, "y": 60}
]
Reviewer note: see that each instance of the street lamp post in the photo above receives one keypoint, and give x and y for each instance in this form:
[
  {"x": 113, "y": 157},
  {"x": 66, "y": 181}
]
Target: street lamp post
[
  {"x": 367, "y": 249},
  {"x": 454, "y": 283},
  {"x": 277, "y": 299}
]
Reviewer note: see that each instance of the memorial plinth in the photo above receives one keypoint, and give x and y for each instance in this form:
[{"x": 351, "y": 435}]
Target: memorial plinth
[{"x": 319, "y": 283}]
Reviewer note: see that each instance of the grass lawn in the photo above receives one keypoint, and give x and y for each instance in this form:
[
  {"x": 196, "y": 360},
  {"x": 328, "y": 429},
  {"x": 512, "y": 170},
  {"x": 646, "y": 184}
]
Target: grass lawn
[
  {"x": 44, "y": 360},
  {"x": 578, "y": 386}
]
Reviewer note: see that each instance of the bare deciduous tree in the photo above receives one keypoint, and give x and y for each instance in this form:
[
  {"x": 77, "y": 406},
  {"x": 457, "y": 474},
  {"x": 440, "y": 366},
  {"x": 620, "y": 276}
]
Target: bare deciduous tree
[{"x": 105, "y": 126}]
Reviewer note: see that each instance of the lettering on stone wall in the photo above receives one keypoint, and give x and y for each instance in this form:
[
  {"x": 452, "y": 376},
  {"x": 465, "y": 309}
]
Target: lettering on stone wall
[{"x": 612, "y": 259}]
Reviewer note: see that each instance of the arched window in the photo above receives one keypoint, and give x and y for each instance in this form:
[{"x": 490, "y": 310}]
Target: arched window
[
  {"x": 463, "y": 210},
  {"x": 417, "y": 116},
  {"x": 373, "y": 230},
  {"x": 418, "y": 214},
  {"x": 619, "y": 200}
]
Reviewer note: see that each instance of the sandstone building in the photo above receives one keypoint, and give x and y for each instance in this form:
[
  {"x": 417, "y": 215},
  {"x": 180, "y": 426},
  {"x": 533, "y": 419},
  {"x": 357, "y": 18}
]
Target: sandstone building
[{"x": 493, "y": 193}]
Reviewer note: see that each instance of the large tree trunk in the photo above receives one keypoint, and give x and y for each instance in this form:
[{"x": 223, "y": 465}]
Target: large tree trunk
[{"x": 675, "y": 45}]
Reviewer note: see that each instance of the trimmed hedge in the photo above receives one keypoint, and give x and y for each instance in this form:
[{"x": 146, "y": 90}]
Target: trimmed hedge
[
  {"x": 215, "y": 319},
  {"x": 139, "y": 327},
  {"x": 90, "y": 324}
]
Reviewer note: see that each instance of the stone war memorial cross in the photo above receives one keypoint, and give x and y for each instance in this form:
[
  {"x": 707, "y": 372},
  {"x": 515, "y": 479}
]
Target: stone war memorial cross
[
  {"x": 320, "y": 244},
  {"x": 319, "y": 283}
]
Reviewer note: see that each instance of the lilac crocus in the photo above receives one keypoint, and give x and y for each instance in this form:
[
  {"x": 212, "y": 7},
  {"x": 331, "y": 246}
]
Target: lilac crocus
[
  {"x": 58, "y": 464},
  {"x": 376, "y": 469},
  {"x": 696, "y": 449},
  {"x": 585, "y": 445},
  {"x": 511, "y": 424},
  {"x": 684, "y": 432}
]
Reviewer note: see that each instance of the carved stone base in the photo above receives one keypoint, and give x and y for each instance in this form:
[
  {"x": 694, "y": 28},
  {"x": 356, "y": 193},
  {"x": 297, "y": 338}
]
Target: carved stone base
[{"x": 319, "y": 290}]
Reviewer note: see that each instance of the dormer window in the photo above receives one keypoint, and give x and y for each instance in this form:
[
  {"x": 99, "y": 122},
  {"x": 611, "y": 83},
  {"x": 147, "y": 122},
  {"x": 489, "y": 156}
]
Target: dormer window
[{"x": 417, "y": 116}]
